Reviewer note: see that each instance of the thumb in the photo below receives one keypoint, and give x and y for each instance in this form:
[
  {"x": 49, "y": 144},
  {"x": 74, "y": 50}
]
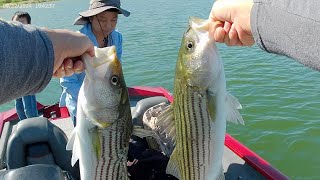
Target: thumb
[
  {"x": 90, "y": 51},
  {"x": 221, "y": 11}
]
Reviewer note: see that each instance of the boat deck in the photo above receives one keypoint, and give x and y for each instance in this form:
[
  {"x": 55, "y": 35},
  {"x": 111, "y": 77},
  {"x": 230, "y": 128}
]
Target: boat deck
[{"x": 234, "y": 167}]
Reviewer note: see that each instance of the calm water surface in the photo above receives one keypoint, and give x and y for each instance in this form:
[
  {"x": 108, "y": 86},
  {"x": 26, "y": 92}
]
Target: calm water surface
[{"x": 280, "y": 97}]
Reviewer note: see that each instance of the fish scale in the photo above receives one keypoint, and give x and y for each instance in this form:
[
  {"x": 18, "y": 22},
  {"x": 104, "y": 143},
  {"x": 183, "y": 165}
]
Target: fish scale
[
  {"x": 100, "y": 140},
  {"x": 112, "y": 164},
  {"x": 194, "y": 132},
  {"x": 200, "y": 109}
]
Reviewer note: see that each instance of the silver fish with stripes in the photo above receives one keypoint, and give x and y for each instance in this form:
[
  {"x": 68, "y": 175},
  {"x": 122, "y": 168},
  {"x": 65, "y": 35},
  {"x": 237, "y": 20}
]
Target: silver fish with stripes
[
  {"x": 100, "y": 140},
  {"x": 196, "y": 121}
]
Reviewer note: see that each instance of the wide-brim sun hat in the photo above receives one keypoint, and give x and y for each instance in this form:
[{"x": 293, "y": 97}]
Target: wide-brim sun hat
[{"x": 98, "y": 6}]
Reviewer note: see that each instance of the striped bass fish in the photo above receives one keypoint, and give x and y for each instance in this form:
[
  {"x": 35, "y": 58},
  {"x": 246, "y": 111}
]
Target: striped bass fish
[
  {"x": 196, "y": 121},
  {"x": 100, "y": 140}
]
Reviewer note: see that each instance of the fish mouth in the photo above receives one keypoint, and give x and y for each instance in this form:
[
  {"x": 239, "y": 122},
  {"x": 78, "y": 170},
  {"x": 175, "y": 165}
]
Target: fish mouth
[
  {"x": 198, "y": 24},
  {"x": 107, "y": 55},
  {"x": 103, "y": 55}
]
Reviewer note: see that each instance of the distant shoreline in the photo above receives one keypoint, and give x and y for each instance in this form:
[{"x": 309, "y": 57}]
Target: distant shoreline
[{"x": 7, "y": 4}]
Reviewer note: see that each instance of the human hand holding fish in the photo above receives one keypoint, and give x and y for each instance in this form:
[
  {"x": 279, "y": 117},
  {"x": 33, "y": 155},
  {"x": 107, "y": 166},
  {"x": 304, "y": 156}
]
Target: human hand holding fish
[
  {"x": 69, "y": 67},
  {"x": 100, "y": 140},
  {"x": 195, "y": 123},
  {"x": 68, "y": 47},
  {"x": 230, "y": 22}
]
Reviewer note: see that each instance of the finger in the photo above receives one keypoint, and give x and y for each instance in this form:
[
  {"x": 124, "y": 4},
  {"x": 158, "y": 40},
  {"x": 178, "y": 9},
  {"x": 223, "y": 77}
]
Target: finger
[
  {"x": 213, "y": 26},
  {"x": 90, "y": 51},
  {"x": 60, "y": 72},
  {"x": 245, "y": 38},
  {"x": 68, "y": 67},
  {"x": 89, "y": 48},
  {"x": 226, "y": 40},
  {"x": 227, "y": 27},
  {"x": 78, "y": 66},
  {"x": 219, "y": 35},
  {"x": 233, "y": 36},
  {"x": 55, "y": 75}
]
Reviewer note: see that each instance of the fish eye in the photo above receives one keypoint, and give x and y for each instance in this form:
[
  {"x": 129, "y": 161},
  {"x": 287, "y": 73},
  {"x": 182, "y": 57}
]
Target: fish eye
[
  {"x": 190, "y": 45},
  {"x": 115, "y": 80}
]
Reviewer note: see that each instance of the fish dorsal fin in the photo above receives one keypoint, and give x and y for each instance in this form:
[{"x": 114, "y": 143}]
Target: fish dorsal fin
[
  {"x": 160, "y": 127},
  {"x": 142, "y": 133},
  {"x": 233, "y": 107},
  {"x": 166, "y": 124},
  {"x": 173, "y": 164}
]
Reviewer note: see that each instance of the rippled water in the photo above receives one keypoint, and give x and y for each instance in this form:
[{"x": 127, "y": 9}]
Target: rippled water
[{"x": 280, "y": 97}]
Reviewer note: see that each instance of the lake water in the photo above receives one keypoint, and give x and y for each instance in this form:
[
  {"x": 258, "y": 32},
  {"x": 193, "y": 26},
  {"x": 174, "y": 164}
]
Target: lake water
[{"x": 279, "y": 96}]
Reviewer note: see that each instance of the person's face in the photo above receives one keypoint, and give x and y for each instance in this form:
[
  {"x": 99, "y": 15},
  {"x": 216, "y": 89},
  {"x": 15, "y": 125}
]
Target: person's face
[
  {"x": 23, "y": 20},
  {"x": 108, "y": 21}
]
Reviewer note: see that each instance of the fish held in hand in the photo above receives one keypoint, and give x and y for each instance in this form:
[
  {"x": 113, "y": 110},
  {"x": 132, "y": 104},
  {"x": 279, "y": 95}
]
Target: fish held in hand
[
  {"x": 100, "y": 139},
  {"x": 196, "y": 121}
]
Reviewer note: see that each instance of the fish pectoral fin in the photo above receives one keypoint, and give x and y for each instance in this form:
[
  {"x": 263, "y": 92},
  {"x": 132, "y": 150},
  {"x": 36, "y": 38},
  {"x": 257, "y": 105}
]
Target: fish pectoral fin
[
  {"x": 211, "y": 103},
  {"x": 96, "y": 142},
  {"x": 173, "y": 164},
  {"x": 233, "y": 107},
  {"x": 74, "y": 144},
  {"x": 70, "y": 143}
]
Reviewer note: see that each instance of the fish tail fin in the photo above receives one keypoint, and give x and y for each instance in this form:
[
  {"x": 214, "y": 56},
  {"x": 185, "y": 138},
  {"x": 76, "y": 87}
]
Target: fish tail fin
[{"x": 233, "y": 107}]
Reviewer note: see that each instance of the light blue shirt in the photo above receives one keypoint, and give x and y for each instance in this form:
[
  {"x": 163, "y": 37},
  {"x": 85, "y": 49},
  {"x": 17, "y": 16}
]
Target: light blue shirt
[{"x": 71, "y": 85}]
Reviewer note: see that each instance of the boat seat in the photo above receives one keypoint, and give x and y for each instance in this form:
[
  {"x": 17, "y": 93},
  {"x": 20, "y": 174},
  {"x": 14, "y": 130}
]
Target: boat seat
[
  {"x": 3, "y": 172},
  {"x": 37, "y": 171},
  {"x": 38, "y": 141},
  {"x": 142, "y": 106}
]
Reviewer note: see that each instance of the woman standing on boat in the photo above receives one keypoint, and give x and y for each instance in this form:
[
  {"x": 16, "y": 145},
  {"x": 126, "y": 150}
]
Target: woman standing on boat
[{"x": 99, "y": 23}]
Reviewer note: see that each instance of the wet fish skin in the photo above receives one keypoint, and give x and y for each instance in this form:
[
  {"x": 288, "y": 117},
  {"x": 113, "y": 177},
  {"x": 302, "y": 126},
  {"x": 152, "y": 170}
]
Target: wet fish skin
[
  {"x": 100, "y": 139},
  {"x": 200, "y": 108}
]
